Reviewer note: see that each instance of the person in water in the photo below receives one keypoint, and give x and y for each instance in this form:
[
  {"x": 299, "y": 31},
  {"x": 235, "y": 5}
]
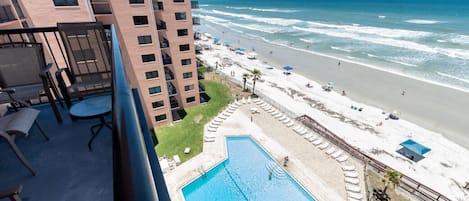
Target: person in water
[{"x": 270, "y": 175}]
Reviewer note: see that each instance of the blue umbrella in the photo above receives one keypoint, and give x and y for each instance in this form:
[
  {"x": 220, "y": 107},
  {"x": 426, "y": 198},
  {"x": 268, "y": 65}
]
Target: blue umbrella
[
  {"x": 216, "y": 40},
  {"x": 228, "y": 43},
  {"x": 288, "y": 68}
]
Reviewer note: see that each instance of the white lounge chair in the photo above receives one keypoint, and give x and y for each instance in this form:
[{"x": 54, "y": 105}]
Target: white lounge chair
[
  {"x": 353, "y": 188},
  {"x": 212, "y": 129},
  {"x": 290, "y": 124},
  {"x": 274, "y": 112},
  {"x": 164, "y": 165},
  {"x": 312, "y": 138},
  {"x": 357, "y": 196},
  {"x": 348, "y": 168},
  {"x": 243, "y": 101},
  {"x": 238, "y": 103},
  {"x": 208, "y": 139},
  {"x": 337, "y": 154},
  {"x": 352, "y": 199},
  {"x": 298, "y": 130},
  {"x": 286, "y": 120},
  {"x": 317, "y": 141},
  {"x": 176, "y": 159},
  {"x": 212, "y": 126},
  {"x": 257, "y": 100},
  {"x": 303, "y": 131},
  {"x": 330, "y": 151},
  {"x": 216, "y": 123},
  {"x": 352, "y": 180},
  {"x": 296, "y": 127},
  {"x": 323, "y": 145},
  {"x": 278, "y": 115},
  {"x": 351, "y": 174},
  {"x": 222, "y": 117},
  {"x": 342, "y": 158},
  {"x": 249, "y": 100}
]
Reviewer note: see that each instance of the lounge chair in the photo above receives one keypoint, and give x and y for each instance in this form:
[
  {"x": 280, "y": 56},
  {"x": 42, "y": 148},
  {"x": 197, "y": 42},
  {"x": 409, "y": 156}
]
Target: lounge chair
[
  {"x": 351, "y": 174},
  {"x": 312, "y": 138},
  {"x": 357, "y": 196},
  {"x": 212, "y": 126},
  {"x": 290, "y": 124},
  {"x": 337, "y": 154},
  {"x": 278, "y": 115},
  {"x": 164, "y": 164},
  {"x": 223, "y": 117},
  {"x": 353, "y": 188},
  {"x": 330, "y": 151},
  {"x": 324, "y": 145},
  {"x": 274, "y": 112},
  {"x": 209, "y": 139},
  {"x": 243, "y": 101},
  {"x": 212, "y": 129},
  {"x": 303, "y": 131},
  {"x": 286, "y": 120},
  {"x": 308, "y": 135},
  {"x": 226, "y": 114},
  {"x": 342, "y": 158},
  {"x": 216, "y": 123},
  {"x": 353, "y": 199},
  {"x": 249, "y": 100},
  {"x": 317, "y": 141},
  {"x": 296, "y": 127},
  {"x": 348, "y": 168},
  {"x": 352, "y": 180},
  {"x": 176, "y": 159},
  {"x": 257, "y": 100}
]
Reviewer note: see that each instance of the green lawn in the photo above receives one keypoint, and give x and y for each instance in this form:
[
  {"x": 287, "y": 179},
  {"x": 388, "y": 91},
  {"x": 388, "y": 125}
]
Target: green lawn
[{"x": 189, "y": 132}]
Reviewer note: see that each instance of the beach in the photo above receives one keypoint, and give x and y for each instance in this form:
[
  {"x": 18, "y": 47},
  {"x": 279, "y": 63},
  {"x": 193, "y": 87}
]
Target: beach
[
  {"x": 433, "y": 106},
  {"x": 443, "y": 169}
]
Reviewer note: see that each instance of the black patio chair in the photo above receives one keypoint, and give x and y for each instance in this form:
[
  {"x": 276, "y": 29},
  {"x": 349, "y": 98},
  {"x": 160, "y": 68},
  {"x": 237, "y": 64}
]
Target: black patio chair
[
  {"x": 25, "y": 76},
  {"x": 89, "y": 61}
]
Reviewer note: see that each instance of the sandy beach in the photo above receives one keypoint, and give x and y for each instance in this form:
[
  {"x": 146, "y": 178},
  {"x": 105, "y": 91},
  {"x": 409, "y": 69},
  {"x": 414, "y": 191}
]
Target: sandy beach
[
  {"x": 444, "y": 168},
  {"x": 432, "y": 106}
]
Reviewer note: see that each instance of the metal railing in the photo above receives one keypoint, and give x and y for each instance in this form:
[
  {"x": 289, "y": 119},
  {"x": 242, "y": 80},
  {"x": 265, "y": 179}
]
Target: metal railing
[{"x": 137, "y": 173}]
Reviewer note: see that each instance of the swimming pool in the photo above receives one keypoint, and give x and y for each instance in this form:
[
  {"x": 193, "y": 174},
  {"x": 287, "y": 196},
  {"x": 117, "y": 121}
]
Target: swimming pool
[{"x": 245, "y": 176}]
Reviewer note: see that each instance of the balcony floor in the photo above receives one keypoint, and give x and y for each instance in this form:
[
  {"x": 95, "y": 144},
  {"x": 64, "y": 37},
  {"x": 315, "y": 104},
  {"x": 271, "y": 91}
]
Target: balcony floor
[{"x": 65, "y": 169}]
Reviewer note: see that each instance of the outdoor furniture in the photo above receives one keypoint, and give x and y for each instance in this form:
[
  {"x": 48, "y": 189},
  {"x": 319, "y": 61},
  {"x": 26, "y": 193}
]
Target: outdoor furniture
[
  {"x": 89, "y": 64},
  {"x": 18, "y": 124},
  {"x": 24, "y": 76},
  {"x": 93, "y": 108},
  {"x": 13, "y": 193}
]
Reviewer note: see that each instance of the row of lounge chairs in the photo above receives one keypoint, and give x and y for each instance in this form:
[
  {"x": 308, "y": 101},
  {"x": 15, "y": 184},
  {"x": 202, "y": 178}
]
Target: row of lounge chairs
[
  {"x": 217, "y": 121},
  {"x": 351, "y": 175}
]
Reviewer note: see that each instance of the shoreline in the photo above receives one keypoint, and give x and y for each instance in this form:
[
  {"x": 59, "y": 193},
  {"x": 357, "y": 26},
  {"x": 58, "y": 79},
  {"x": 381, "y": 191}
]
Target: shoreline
[{"x": 432, "y": 106}]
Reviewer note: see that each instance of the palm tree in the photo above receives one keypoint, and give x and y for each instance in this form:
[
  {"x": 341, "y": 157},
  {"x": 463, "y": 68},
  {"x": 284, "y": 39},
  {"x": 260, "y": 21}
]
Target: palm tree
[
  {"x": 246, "y": 76},
  {"x": 256, "y": 75},
  {"x": 391, "y": 178}
]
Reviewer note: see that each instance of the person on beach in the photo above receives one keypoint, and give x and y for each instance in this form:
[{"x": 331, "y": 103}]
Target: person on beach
[
  {"x": 270, "y": 52},
  {"x": 403, "y": 92},
  {"x": 343, "y": 93},
  {"x": 338, "y": 64},
  {"x": 285, "y": 161},
  {"x": 251, "y": 118}
]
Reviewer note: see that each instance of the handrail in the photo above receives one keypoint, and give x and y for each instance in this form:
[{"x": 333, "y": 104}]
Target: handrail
[
  {"x": 404, "y": 180},
  {"x": 132, "y": 165}
]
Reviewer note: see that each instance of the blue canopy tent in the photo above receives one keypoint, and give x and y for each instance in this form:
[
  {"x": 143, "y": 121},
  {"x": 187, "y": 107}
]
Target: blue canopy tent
[
  {"x": 413, "y": 150},
  {"x": 287, "y": 70},
  {"x": 216, "y": 40}
]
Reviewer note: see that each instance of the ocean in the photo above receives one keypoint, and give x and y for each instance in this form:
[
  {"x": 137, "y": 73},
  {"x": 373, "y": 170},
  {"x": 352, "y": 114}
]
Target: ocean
[{"x": 427, "y": 39}]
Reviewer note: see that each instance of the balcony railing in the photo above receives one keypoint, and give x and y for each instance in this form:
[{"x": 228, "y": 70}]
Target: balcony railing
[
  {"x": 171, "y": 89},
  {"x": 169, "y": 75},
  {"x": 195, "y": 4},
  {"x": 101, "y": 7},
  {"x": 164, "y": 43},
  {"x": 195, "y": 20},
  {"x": 173, "y": 102},
  {"x": 201, "y": 88},
  {"x": 167, "y": 60},
  {"x": 158, "y": 5},
  {"x": 161, "y": 25},
  {"x": 6, "y": 14}
]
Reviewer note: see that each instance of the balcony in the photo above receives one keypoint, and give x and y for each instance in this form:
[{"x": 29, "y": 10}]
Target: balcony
[
  {"x": 201, "y": 88},
  {"x": 158, "y": 6},
  {"x": 173, "y": 102},
  {"x": 195, "y": 20},
  {"x": 169, "y": 75},
  {"x": 161, "y": 25},
  {"x": 167, "y": 60},
  {"x": 123, "y": 164},
  {"x": 195, "y": 4},
  {"x": 171, "y": 89},
  {"x": 164, "y": 43},
  {"x": 101, "y": 7},
  {"x": 6, "y": 14}
]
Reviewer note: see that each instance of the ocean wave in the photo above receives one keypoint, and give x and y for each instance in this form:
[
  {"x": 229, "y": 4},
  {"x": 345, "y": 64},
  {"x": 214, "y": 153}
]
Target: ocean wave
[
  {"x": 261, "y": 28},
  {"x": 385, "y": 32},
  {"x": 421, "y": 21},
  {"x": 308, "y": 40},
  {"x": 441, "y": 41},
  {"x": 212, "y": 18},
  {"x": 341, "y": 49},
  {"x": 459, "y": 39},
  {"x": 222, "y": 23},
  {"x": 274, "y": 21},
  {"x": 453, "y": 77},
  {"x": 275, "y": 10},
  {"x": 203, "y": 5},
  {"x": 371, "y": 55},
  {"x": 455, "y": 53},
  {"x": 402, "y": 63},
  {"x": 381, "y": 16}
]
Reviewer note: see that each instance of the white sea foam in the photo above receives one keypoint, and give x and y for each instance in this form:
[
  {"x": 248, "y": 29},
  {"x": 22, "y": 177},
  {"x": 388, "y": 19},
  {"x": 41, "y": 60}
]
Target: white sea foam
[
  {"x": 341, "y": 49},
  {"x": 459, "y": 39},
  {"x": 372, "y": 55},
  {"x": 276, "y": 10},
  {"x": 402, "y": 63},
  {"x": 203, "y": 5},
  {"x": 309, "y": 40},
  {"x": 274, "y": 21},
  {"x": 453, "y": 77},
  {"x": 259, "y": 27},
  {"x": 381, "y": 17},
  {"x": 422, "y": 21},
  {"x": 442, "y": 41}
]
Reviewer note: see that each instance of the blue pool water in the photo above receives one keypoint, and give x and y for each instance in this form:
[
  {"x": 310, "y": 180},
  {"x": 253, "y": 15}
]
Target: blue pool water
[{"x": 245, "y": 176}]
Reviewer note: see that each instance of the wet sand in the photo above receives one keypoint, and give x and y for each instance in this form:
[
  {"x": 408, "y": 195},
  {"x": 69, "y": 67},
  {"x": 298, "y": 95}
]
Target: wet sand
[{"x": 434, "y": 107}]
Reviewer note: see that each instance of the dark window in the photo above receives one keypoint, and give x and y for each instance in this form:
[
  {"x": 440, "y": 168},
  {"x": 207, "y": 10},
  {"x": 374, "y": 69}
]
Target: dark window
[
  {"x": 140, "y": 20},
  {"x": 66, "y": 2},
  {"x": 160, "y": 117},
  {"x": 178, "y": 1},
  {"x": 190, "y": 99},
  {"x": 84, "y": 55},
  {"x": 187, "y": 75},
  {"x": 188, "y": 87},
  {"x": 183, "y": 32},
  {"x": 136, "y": 1},
  {"x": 151, "y": 74},
  {"x": 180, "y": 15},
  {"x": 154, "y": 90},
  {"x": 185, "y": 62},
  {"x": 157, "y": 104},
  {"x": 144, "y": 39},
  {"x": 184, "y": 47},
  {"x": 148, "y": 58}
]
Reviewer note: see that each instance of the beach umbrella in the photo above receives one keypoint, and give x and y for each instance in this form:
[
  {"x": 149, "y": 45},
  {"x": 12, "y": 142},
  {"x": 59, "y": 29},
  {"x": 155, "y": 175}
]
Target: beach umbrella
[
  {"x": 241, "y": 49},
  {"x": 228, "y": 43},
  {"x": 287, "y": 68},
  {"x": 216, "y": 40}
]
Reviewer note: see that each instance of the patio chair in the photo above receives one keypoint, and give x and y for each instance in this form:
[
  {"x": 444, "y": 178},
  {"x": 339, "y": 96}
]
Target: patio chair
[
  {"x": 18, "y": 124},
  {"x": 25, "y": 76},
  {"x": 89, "y": 61}
]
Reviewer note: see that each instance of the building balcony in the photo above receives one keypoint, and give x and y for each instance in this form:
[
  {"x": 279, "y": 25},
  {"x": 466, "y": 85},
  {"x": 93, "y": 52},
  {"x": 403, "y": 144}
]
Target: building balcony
[
  {"x": 164, "y": 43},
  {"x": 173, "y": 102},
  {"x": 195, "y": 4},
  {"x": 171, "y": 89},
  {"x": 195, "y": 20},
  {"x": 168, "y": 74},
  {"x": 158, "y": 6},
  {"x": 6, "y": 14},
  {"x": 101, "y": 7},
  {"x": 65, "y": 168},
  {"x": 161, "y": 25},
  {"x": 167, "y": 60},
  {"x": 201, "y": 88}
]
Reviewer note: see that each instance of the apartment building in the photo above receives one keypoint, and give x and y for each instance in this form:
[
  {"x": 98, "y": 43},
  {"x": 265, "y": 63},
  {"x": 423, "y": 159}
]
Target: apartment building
[{"x": 157, "y": 44}]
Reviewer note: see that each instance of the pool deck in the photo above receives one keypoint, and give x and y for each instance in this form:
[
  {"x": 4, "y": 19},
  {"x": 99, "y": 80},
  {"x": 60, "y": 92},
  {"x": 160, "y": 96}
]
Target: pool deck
[{"x": 319, "y": 174}]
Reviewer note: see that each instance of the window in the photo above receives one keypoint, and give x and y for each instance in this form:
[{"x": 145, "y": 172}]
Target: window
[
  {"x": 136, "y": 1},
  {"x": 185, "y": 62},
  {"x": 84, "y": 55},
  {"x": 140, "y": 20},
  {"x": 157, "y": 104},
  {"x": 184, "y": 47},
  {"x": 144, "y": 39},
  {"x": 154, "y": 90},
  {"x": 183, "y": 32},
  {"x": 188, "y": 87},
  {"x": 190, "y": 99},
  {"x": 180, "y": 15},
  {"x": 160, "y": 117},
  {"x": 187, "y": 75},
  {"x": 66, "y": 2},
  {"x": 148, "y": 58},
  {"x": 151, "y": 74}
]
